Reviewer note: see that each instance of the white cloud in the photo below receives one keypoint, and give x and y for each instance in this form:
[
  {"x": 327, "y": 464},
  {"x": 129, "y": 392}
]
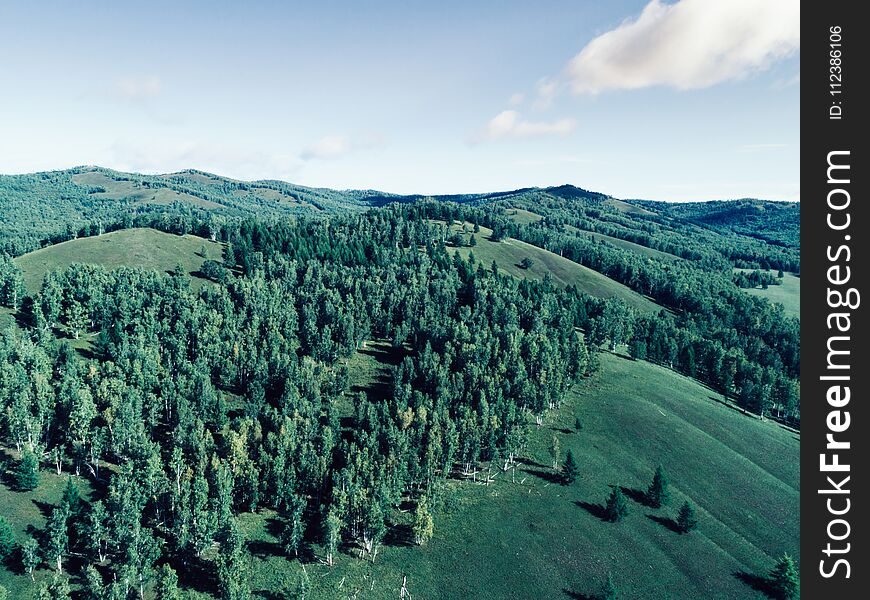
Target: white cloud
[
  {"x": 138, "y": 89},
  {"x": 516, "y": 99},
  {"x": 545, "y": 91},
  {"x": 169, "y": 156},
  {"x": 336, "y": 146},
  {"x": 687, "y": 45},
  {"x": 331, "y": 146},
  {"x": 509, "y": 124}
]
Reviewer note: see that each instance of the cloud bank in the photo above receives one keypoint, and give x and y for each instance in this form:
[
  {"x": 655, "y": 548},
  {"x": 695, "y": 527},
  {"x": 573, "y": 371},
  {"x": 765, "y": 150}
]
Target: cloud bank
[
  {"x": 510, "y": 124},
  {"x": 688, "y": 45}
]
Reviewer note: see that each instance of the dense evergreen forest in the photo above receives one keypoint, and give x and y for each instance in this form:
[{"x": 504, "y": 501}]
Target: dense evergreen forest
[{"x": 193, "y": 407}]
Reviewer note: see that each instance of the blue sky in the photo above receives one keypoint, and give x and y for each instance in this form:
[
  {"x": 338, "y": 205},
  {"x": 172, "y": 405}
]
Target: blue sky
[{"x": 688, "y": 100}]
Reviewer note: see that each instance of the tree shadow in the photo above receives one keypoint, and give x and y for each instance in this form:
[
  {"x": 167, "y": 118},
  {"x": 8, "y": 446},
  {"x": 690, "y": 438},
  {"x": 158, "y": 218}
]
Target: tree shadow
[
  {"x": 400, "y": 535},
  {"x": 45, "y": 509},
  {"x": 529, "y": 462},
  {"x": 564, "y": 430},
  {"x": 639, "y": 496},
  {"x": 596, "y": 510},
  {"x": 757, "y": 583},
  {"x": 545, "y": 475},
  {"x": 197, "y": 574},
  {"x": 666, "y": 522}
]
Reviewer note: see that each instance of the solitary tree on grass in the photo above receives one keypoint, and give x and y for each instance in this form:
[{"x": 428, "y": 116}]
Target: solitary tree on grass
[
  {"x": 27, "y": 473},
  {"x": 686, "y": 520},
  {"x": 569, "y": 469},
  {"x": 785, "y": 579},
  {"x": 617, "y": 508},
  {"x": 657, "y": 494}
]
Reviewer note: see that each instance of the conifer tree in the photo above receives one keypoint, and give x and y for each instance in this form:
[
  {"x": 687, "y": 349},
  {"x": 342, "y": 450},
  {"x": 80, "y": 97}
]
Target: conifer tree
[
  {"x": 616, "y": 508},
  {"x": 686, "y": 520},
  {"x": 27, "y": 473},
  {"x": 657, "y": 494},
  {"x": 784, "y": 578},
  {"x": 569, "y": 469}
]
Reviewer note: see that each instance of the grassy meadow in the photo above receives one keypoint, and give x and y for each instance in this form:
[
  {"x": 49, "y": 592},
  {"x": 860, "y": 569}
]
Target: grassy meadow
[
  {"x": 145, "y": 248},
  {"x": 509, "y": 253}
]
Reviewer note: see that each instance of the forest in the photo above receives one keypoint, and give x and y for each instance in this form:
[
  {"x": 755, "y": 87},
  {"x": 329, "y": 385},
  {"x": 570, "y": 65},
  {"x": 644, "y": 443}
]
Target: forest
[{"x": 184, "y": 409}]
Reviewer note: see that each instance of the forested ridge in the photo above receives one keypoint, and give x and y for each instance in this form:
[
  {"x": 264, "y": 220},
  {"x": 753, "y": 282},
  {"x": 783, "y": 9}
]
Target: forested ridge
[{"x": 190, "y": 408}]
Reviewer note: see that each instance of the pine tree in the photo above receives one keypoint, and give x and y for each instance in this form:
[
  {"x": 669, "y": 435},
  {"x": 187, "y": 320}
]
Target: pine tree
[
  {"x": 27, "y": 473},
  {"x": 784, "y": 578},
  {"x": 616, "y": 508},
  {"x": 71, "y": 498},
  {"x": 657, "y": 494},
  {"x": 7, "y": 540},
  {"x": 686, "y": 520},
  {"x": 569, "y": 469}
]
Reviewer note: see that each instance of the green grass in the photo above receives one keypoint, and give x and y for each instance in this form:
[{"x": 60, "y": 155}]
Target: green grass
[
  {"x": 788, "y": 293},
  {"x": 509, "y": 253},
  {"x": 146, "y": 248},
  {"x": 627, "y": 208},
  {"x": 521, "y": 216},
  {"x": 116, "y": 189}
]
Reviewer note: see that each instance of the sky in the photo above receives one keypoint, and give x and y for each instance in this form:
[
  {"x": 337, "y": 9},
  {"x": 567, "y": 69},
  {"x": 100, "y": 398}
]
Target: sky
[{"x": 677, "y": 101}]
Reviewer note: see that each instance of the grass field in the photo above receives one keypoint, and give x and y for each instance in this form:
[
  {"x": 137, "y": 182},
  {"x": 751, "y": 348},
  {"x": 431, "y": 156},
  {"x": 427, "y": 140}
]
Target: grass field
[
  {"x": 788, "y": 293},
  {"x": 146, "y": 248},
  {"x": 117, "y": 189},
  {"x": 522, "y": 216},
  {"x": 508, "y": 254},
  {"x": 627, "y": 208}
]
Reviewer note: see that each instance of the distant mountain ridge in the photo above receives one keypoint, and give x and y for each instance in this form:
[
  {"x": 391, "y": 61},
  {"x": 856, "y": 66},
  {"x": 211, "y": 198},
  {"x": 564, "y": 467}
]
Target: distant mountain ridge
[{"x": 43, "y": 207}]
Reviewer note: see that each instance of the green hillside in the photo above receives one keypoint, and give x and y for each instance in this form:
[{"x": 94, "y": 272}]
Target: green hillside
[
  {"x": 509, "y": 253},
  {"x": 145, "y": 248}
]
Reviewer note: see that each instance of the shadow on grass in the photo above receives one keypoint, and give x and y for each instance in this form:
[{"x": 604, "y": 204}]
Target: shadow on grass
[
  {"x": 564, "y": 430},
  {"x": 529, "y": 462},
  {"x": 596, "y": 510},
  {"x": 45, "y": 509},
  {"x": 400, "y": 535},
  {"x": 269, "y": 595},
  {"x": 638, "y": 496},
  {"x": 757, "y": 583},
  {"x": 666, "y": 522},
  {"x": 545, "y": 475}
]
